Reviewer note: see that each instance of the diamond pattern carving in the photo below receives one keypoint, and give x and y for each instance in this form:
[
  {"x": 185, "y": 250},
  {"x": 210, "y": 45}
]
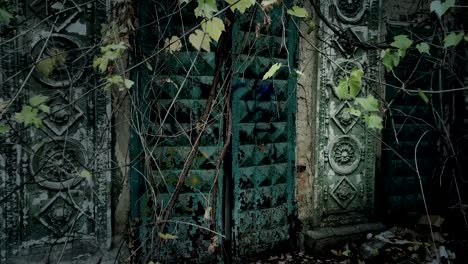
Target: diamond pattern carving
[
  {"x": 59, "y": 214},
  {"x": 344, "y": 120},
  {"x": 63, "y": 115},
  {"x": 344, "y": 193}
]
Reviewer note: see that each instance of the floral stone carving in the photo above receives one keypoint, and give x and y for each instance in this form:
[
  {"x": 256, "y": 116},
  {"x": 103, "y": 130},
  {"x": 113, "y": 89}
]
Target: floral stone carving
[
  {"x": 56, "y": 164},
  {"x": 345, "y": 154}
]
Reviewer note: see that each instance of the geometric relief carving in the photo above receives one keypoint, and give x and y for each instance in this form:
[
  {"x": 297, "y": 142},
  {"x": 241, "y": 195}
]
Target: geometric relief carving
[
  {"x": 59, "y": 215},
  {"x": 56, "y": 164},
  {"x": 345, "y": 154},
  {"x": 344, "y": 193},
  {"x": 350, "y": 11},
  {"x": 344, "y": 119},
  {"x": 61, "y": 60},
  {"x": 62, "y": 114}
]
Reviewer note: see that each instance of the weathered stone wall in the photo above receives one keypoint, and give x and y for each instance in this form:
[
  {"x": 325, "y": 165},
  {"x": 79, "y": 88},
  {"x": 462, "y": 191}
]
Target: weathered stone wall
[{"x": 305, "y": 121}]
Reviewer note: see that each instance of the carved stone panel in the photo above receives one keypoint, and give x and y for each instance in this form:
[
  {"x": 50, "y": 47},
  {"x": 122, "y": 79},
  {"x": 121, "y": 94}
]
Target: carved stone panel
[
  {"x": 48, "y": 209},
  {"x": 345, "y": 169}
]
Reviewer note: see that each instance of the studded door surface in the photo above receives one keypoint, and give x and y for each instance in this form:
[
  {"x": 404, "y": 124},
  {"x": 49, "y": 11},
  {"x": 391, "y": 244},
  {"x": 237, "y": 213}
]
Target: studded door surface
[
  {"x": 176, "y": 92},
  {"x": 49, "y": 210},
  {"x": 263, "y": 133},
  {"x": 346, "y": 149}
]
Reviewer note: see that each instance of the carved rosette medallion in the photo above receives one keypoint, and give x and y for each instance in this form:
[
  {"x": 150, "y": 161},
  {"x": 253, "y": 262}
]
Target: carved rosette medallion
[
  {"x": 56, "y": 164},
  {"x": 344, "y": 193},
  {"x": 342, "y": 71},
  {"x": 350, "y": 11},
  {"x": 345, "y": 154},
  {"x": 60, "y": 58}
]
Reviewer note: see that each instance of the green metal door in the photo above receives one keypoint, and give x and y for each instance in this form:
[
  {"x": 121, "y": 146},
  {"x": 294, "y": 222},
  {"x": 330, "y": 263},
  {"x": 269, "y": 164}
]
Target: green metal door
[
  {"x": 263, "y": 150},
  {"x": 255, "y": 209},
  {"x": 173, "y": 92}
]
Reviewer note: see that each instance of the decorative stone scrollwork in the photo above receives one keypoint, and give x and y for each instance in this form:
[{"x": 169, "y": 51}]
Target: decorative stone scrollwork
[
  {"x": 350, "y": 11},
  {"x": 61, "y": 61},
  {"x": 345, "y": 154},
  {"x": 56, "y": 164}
]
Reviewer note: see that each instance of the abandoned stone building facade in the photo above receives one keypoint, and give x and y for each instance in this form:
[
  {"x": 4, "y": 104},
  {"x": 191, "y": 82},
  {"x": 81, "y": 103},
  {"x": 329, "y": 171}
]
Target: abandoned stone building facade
[{"x": 299, "y": 170}]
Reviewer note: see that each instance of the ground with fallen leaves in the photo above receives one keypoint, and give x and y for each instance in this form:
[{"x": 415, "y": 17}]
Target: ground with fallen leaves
[{"x": 395, "y": 245}]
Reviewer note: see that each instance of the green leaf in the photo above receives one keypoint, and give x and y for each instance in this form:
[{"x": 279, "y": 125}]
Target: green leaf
[
  {"x": 38, "y": 100},
  {"x": 200, "y": 40},
  {"x": 441, "y": 8},
  {"x": 423, "y": 96},
  {"x": 298, "y": 11},
  {"x": 4, "y": 129},
  {"x": 402, "y": 43},
  {"x": 44, "y": 108},
  {"x": 389, "y": 59},
  {"x": 423, "y": 48},
  {"x": 118, "y": 48},
  {"x": 85, "y": 174},
  {"x": 213, "y": 27},
  {"x": 46, "y": 66},
  {"x": 240, "y": 5},
  {"x": 184, "y": 2},
  {"x": 5, "y": 17},
  {"x": 167, "y": 236},
  {"x": 466, "y": 37},
  {"x": 342, "y": 89},
  {"x": 273, "y": 69},
  {"x": 373, "y": 121},
  {"x": 353, "y": 111},
  {"x": 355, "y": 82},
  {"x": 174, "y": 44},
  {"x": 452, "y": 39},
  {"x": 29, "y": 115},
  {"x": 206, "y": 8},
  {"x": 368, "y": 104}
]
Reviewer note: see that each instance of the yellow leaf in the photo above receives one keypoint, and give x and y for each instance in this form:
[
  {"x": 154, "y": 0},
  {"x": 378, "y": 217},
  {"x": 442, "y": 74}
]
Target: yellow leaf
[
  {"x": 213, "y": 28},
  {"x": 298, "y": 11},
  {"x": 274, "y": 68},
  {"x": 167, "y": 236},
  {"x": 174, "y": 44},
  {"x": 240, "y": 5},
  {"x": 85, "y": 174},
  {"x": 199, "y": 40}
]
